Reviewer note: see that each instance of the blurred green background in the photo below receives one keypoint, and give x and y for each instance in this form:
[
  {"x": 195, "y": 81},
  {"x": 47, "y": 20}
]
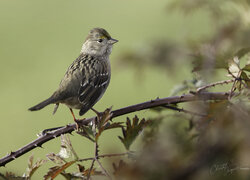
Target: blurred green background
[{"x": 40, "y": 39}]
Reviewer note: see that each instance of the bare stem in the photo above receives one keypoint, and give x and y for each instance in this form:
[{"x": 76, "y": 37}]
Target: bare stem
[
  {"x": 202, "y": 96},
  {"x": 214, "y": 84}
]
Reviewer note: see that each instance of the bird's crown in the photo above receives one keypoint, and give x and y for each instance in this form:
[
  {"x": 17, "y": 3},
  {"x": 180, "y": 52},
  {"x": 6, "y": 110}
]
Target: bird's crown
[{"x": 98, "y": 33}]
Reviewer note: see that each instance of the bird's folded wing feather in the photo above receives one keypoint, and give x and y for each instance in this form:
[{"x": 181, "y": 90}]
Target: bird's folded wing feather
[{"x": 93, "y": 85}]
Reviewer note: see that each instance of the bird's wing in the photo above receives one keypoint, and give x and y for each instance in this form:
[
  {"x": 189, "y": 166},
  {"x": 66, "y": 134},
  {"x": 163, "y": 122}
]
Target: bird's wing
[{"x": 94, "y": 83}]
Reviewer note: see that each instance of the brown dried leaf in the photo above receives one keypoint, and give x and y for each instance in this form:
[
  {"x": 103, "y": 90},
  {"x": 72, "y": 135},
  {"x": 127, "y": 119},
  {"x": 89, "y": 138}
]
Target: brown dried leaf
[
  {"x": 101, "y": 125},
  {"x": 55, "y": 158},
  {"x": 56, "y": 170},
  {"x": 33, "y": 167},
  {"x": 93, "y": 172},
  {"x": 11, "y": 176},
  {"x": 118, "y": 168},
  {"x": 66, "y": 148}
]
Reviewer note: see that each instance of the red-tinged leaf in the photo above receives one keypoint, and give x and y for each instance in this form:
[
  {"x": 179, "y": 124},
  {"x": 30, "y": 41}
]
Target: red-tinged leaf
[
  {"x": 93, "y": 172},
  {"x": 105, "y": 117},
  {"x": 56, "y": 170},
  {"x": 103, "y": 122},
  {"x": 132, "y": 131}
]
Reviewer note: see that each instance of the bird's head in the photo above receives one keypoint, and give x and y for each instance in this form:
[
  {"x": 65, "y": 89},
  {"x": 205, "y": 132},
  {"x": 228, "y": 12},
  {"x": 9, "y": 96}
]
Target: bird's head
[{"x": 98, "y": 43}]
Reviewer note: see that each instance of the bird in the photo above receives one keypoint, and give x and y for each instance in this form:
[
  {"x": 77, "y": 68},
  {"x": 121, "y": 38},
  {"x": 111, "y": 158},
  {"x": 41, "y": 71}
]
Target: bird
[{"x": 87, "y": 78}]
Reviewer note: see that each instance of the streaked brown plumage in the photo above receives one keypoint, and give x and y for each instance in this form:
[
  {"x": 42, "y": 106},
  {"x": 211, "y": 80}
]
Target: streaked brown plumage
[{"x": 87, "y": 78}]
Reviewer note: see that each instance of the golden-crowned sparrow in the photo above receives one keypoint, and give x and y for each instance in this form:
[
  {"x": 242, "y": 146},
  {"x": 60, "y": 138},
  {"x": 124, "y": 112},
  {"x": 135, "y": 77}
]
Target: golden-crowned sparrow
[{"x": 87, "y": 78}]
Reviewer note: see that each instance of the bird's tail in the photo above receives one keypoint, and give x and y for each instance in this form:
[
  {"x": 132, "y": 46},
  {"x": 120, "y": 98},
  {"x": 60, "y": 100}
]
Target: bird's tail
[{"x": 42, "y": 104}]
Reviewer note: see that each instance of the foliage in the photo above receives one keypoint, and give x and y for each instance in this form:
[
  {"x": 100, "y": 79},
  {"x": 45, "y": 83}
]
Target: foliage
[{"x": 209, "y": 141}]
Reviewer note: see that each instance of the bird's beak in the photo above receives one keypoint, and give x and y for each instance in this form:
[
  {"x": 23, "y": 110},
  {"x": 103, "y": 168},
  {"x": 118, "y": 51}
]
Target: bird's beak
[{"x": 112, "y": 41}]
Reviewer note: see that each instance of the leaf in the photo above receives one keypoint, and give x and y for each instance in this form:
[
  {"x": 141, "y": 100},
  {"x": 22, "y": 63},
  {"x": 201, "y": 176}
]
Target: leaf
[
  {"x": 56, "y": 170},
  {"x": 71, "y": 176},
  {"x": 242, "y": 52},
  {"x": 11, "y": 176},
  {"x": 55, "y": 158},
  {"x": 81, "y": 174},
  {"x": 33, "y": 167},
  {"x": 105, "y": 117},
  {"x": 113, "y": 125},
  {"x": 67, "y": 148},
  {"x": 246, "y": 68},
  {"x": 234, "y": 68},
  {"x": 93, "y": 172},
  {"x": 101, "y": 124},
  {"x": 87, "y": 132},
  {"x": 132, "y": 131},
  {"x": 117, "y": 168},
  {"x": 245, "y": 78}
]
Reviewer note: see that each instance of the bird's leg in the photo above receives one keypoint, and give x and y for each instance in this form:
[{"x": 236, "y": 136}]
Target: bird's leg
[{"x": 77, "y": 125}]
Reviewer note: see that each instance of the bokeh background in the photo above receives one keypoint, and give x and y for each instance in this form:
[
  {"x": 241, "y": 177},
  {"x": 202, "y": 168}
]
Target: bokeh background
[{"x": 40, "y": 39}]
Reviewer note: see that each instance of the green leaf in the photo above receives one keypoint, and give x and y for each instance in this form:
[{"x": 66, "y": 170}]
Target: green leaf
[
  {"x": 242, "y": 52},
  {"x": 87, "y": 132},
  {"x": 113, "y": 125},
  {"x": 245, "y": 78},
  {"x": 132, "y": 131},
  {"x": 246, "y": 68}
]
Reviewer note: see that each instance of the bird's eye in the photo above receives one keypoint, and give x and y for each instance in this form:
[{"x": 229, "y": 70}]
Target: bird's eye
[{"x": 99, "y": 40}]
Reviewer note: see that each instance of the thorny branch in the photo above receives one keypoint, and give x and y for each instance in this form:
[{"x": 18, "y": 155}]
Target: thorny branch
[
  {"x": 215, "y": 84},
  {"x": 202, "y": 96}
]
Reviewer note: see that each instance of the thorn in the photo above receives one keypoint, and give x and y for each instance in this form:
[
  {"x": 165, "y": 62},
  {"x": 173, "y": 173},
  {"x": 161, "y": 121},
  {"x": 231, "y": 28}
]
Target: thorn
[
  {"x": 37, "y": 145},
  {"x": 11, "y": 153}
]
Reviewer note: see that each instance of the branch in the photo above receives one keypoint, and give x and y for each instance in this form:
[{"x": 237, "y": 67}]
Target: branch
[
  {"x": 215, "y": 84},
  {"x": 202, "y": 96}
]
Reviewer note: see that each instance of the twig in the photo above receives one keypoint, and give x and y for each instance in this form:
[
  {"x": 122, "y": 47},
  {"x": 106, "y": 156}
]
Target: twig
[
  {"x": 96, "y": 150},
  {"x": 202, "y": 96},
  {"x": 185, "y": 111},
  {"x": 234, "y": 83},
  {"x": 105, "y": 155},
  {"x": 96, "y": 153},
  {"x": 103, "y": 169},
  {"x": 214, "y": 84}
]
